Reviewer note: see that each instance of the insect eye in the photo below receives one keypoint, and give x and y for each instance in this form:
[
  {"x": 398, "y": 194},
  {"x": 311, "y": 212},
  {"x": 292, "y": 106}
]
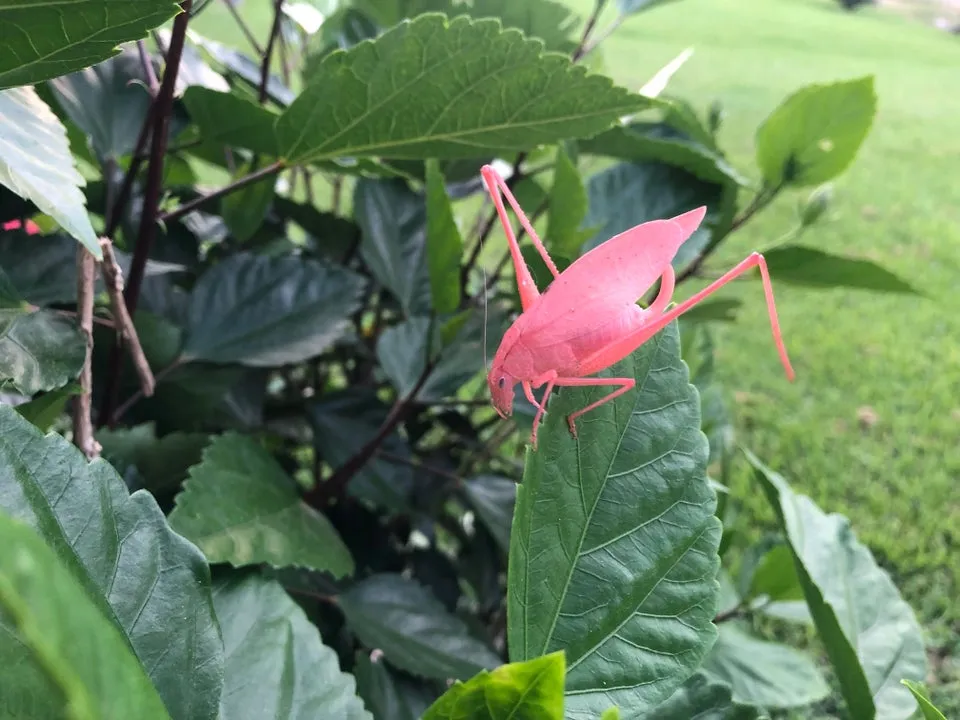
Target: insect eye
[{"x": 501, "y": 382}]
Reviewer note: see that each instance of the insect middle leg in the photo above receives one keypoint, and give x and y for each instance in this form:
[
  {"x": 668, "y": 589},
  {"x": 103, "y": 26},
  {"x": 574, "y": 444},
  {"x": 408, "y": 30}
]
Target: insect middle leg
[{"x": 624, "y": 385}]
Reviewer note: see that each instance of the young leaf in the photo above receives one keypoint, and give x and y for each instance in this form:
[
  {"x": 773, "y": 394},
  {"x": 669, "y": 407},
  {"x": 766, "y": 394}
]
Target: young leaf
[
  {"x": 387, "y": 695},
  {"x": 567, "y": 209},
  {"x": 268, "y": 311},
  {"x": 870, "y": 633},
  {"x": 761, "y": 673},
  {"x": 240, "y": 507},
  {"x": 493, "y": 499},
  {"x": 276, "y": 665},
  {"x": 161, "y": 463},
  {"x": 229, "y": 119},
  {"x": 147, "y": 584},
  {"x": 77, "y": 662},
  {"x": 245, "y": 210},
  {"x": 412, "y": 628},
  {"x": 531, "y": 690},
  {"x": 444, "y": 244},
  {"x": 776, "y": 576},
  {"x": 703, "y": 699},
  {"x": 39, "y": 350},
  {"x": 35, "y": 162},
  {"x": 588, "y": 513},
  {"x": 44, "y": 410},
  {"x": 927, "y": 708},
  {"x": 815, "y": 133},
  {"x": 442, "y": 88},
  {"x": 814, "y": 268},
  {"x": 54, "y": 39}
]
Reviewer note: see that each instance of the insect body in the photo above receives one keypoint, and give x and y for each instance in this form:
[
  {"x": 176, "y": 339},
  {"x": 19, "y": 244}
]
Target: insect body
[{"x": 588, "y": 318}]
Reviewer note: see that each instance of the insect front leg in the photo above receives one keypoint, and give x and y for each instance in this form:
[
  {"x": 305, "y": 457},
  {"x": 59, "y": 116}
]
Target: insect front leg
[{"x": 624, "y": 385}]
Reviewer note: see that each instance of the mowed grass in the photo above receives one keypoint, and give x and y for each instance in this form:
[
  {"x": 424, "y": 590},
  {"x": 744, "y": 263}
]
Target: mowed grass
[{"x": 871, "y": 427}]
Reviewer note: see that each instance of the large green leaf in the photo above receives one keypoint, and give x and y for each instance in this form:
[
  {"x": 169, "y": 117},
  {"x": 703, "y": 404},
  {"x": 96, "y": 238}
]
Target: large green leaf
[
  {"x": 152, "y": 583},
  {"x": 80, "y": 664},
  {"x": 35, "y": 162},
  {"x": 39, "y": 350},
  {"x": 815, "y": 133},
  {"x": 493, "y": 498},
  {"x": 927, "y": 708},
  {"x": 161, "y": 463},
  {"x": 567, "y": 209},
  {"x": 701, "y": 698},
  {"x": 276, "y": 664},
  {"x": 412, "y": 628},
  {"x": 444, "y": 244},
  {"x": 240, "y": 507},
  {"x": 814, "y": 268},
  {"x": 629, "y": 194},
  {"x": 387, "y": 695},
  {"x": 434, "y": 87},
  {"x": 229, "y": 119},
  {"x": 59, "y": 37},
  {"x": 268, "y": 311},
  {"x": 108, "y": 102},
  {"x": 625, "y": 510},
  {"x": 870, "y": 633},
  {"x": 531, "y": 690},
  {"x": 763, "y": 673}
]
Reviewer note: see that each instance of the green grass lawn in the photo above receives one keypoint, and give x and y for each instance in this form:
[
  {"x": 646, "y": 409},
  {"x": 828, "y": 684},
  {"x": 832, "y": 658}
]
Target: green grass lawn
[{"x": 898, "y": 205}]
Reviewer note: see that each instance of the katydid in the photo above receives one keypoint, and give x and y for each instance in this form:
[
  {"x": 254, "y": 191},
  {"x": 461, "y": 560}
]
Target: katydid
[{"x": 588, "y": 319}]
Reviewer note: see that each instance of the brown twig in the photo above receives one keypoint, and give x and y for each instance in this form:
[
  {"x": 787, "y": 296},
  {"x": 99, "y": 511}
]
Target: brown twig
[
  {"x": 113, "y": 279},
  {"x": 588, "y": 30},
  {"x": 244, "y": 28},
  {"x": 253, "y": 177},
  {"x": 153, "y": 84},
  {"x": 139, "y": 394},
  {"x": 268, "y": 53},
  {"x": 82, "y": 422}
]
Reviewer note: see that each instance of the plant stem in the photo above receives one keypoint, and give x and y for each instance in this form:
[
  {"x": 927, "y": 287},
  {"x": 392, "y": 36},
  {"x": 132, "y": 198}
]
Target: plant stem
[
  {"x": 153, "y": 84},
  {"x": 244, "y": 28},
  {"x": 139, "y": 394},
  {"x": 123, "y": 197},
  {"x": 588, "y": 29},
  {"x": 82, "y": 423},
  {"x": 253, "y": 177},
  {"x": 268, "y": 53}
]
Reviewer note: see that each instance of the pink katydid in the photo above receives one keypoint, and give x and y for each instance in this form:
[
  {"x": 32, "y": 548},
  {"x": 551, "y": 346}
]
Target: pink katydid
[{"x": 588, "y": 319}]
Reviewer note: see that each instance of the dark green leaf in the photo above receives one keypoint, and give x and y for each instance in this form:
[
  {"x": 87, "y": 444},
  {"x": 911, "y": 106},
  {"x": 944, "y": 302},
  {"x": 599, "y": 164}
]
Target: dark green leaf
[
  {"x": 35, "y": 161},
  {"x": 446, "y": 88},
  {"x": 493, "y": 499},
  {"x": 245, "y": 210},
  {"x": 245, "y": 68},
  {"x": 814, "y": 268},
  {"x": 567, "y": 209},
  {"x": 531, "y": 690},
  {"x": 387, "y": 695},
  {"x": 815, "y": 133},
  {"x": 394, "y": 225},
  {"x": 228, "y": 119},
  {"x": 927, "y": 708},
  {"x": 66, "y": 652},
  {"x": 276, "y": 663},
  {"x": 162, "y": 463},
  {"x": 629, "y": 194},
  {"x": 413, "y": 629},
  {"x": 871, "y": 635},
  {"x": 151, "y": 582},
  {"x": 763, "y": 673},
  {"x": 334, "y": 237},
  {"x": 44, "y": 410},
  {"x": 268, "y": 311},
  {"x": 703, "y": 699},
  {"x": 589, "y": 514},
  {"x": 106, "y": 103},
  {"x": 39, "y": 350},
  {"x": 646, "y": 142},
  {"x": 444, "y": 244},
  {"x": 57, "y": 38},
  {"x": 240, "y": 507}
]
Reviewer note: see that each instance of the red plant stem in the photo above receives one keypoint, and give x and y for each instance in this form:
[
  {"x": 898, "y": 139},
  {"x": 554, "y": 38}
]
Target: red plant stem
[
  {"x": 268, "y": 53},
  {"x": 180, "y": 211}
]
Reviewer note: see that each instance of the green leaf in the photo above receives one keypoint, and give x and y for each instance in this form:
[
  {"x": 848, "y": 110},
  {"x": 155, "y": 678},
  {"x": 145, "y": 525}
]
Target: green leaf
[
  {"x": 493, "y": 498},
  {"x": 333, "y": 237},
  {"x": 567, "y": 209},
  {"x": 244, "y": 211},
  {"x": 240, "y": 507},
  {"x": 412, "y": 628},
  {"x": 106, "y": 102},
  {"x": 588, "y": 514},
  {"x": 444, "y": 244},
  {"x": 776, "y": 576},
  {"x": 870, "y": 633},
  {"x": 815, "y": 133},
  {"x": 814, "y": 268},
  {"x": 629, "y": 194},
  {"x": 268, "y": 311},
  {"x": 87, "y": 669},
  {"x": 40, "y": 350},
  {"x": 35, "y": 162},
  {"x": 648, "y": 142},
  {"x": 244, "y": 68},
  {"x": 531, "y": 690},
  {"x": 229, "y": 119},
  {"x": 44, "y": 410},
  {"x": 387, "y": 695},
  {"x": 142, "y": 575},
  {"x": 56, "y": 38},
  {"x": 763, "y": 673},
  {"x": 703, "y": 699},
  {"x": 927, "y": 708},
  {"x": 161, "y": 463},
  {"x": 276, "y": 663},
  {"x": 442, "y": 88}
]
